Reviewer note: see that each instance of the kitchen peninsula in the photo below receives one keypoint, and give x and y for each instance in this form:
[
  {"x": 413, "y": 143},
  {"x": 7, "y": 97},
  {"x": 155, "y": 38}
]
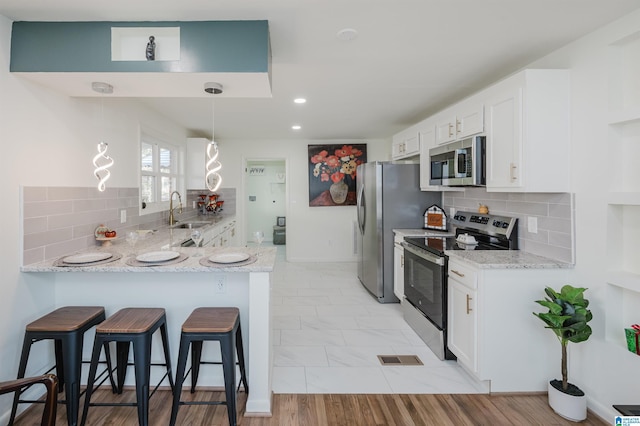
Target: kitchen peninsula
[{"x": 184, "y": 286}]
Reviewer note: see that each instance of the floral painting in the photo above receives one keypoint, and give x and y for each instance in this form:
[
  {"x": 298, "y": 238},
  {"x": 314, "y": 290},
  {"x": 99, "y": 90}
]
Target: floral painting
[{"x": 332, "y": 173}]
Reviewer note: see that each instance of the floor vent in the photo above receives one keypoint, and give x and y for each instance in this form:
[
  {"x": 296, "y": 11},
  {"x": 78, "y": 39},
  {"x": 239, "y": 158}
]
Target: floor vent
[{"x": 399, "y": 360}]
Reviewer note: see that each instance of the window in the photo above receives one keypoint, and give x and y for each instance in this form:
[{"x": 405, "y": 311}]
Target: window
[{"x": 160, "y": 172}]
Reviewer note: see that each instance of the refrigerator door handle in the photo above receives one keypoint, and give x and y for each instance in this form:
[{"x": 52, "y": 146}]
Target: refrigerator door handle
[{"x": 362, "y": 213}]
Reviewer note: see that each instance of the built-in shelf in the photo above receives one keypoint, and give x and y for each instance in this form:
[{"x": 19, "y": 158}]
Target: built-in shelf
[
  {"x": 623, "y": 293},
  {"x": 624, "y": 279},
  {"x": 624, "y": 116},
  {"x": 130, "y": 43},
  {"x": 624, "y": 198},
  {"x": 624, "y": 66}
]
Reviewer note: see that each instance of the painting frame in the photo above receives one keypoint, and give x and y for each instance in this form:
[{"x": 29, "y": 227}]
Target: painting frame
[{"x": 332, "y": 173}]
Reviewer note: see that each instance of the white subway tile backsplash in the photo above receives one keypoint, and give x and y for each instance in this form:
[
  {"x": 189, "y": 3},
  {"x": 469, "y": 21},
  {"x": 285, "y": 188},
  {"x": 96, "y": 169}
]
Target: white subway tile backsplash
[
  {"x": 40, "y": 239},
  {"x": 560, "y": 239},
  {"x": 33, "y": 225},
  {"x": 34, "y": 193},
  {"x": 46, "y": 208},
  {"x": 560, "y": 210},
  {"x": 560, "y": 198},
  {"x": 554, "y": 238},
  {"x": 555, "y": 224},
  {"x": 88, "y": 205},
  {"x": 67, "y": 193},
  {"x": 527, "y": 208},
  {"x": 553, "y": 252},
  {"x": 33, "y": 256},
  {"x": 56, "y": 250},
  {"x": 61, "y": 220}
]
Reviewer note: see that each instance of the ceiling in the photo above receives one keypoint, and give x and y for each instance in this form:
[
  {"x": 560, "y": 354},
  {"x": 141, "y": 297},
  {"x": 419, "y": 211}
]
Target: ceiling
[{"x": 409, "y": 59}]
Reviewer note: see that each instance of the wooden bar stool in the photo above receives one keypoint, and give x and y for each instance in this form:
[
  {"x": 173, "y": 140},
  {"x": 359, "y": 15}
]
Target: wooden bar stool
[
  {"x": 66, "y": 327},
  {"x": 222, "y": 325},
  {"x": 127, "y": 326}
]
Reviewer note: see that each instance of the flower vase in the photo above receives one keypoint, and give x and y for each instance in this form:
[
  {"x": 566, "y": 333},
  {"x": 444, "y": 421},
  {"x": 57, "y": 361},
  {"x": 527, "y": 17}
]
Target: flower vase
[{"x": 339, "y": 192}]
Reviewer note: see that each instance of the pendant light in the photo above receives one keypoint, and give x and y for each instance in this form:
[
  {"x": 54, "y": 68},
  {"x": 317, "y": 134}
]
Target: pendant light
[
  {"x": 212, "y": 177},
  {"x": 102, "y": 161}
]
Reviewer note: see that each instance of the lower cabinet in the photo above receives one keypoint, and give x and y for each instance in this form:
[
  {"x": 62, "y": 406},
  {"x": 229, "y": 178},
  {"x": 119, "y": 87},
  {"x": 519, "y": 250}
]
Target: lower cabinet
[
  {"x": 462, "y": 321},
  {"x": 222, "y": 235},
  {"x": 398, "y": 270},
  {"x": 492, "y": 329}
]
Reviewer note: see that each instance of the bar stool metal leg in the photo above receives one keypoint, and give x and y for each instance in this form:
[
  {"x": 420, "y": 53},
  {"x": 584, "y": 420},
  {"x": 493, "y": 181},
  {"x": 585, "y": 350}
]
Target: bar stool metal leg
[
  {"x": 131, "y": 328},
  {"x": 227, "y": 345},
  {"x": 211, "y": 324},
  {"x": 66, "y": 327}
]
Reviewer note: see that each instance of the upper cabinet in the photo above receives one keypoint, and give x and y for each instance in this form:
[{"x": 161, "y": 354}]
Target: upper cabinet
[
  {"x": 196, "y": 161},
  {"x": 463, "y": 119},
  {"x": 405, "y": 144},
  {"x": 527, "y": 129}
]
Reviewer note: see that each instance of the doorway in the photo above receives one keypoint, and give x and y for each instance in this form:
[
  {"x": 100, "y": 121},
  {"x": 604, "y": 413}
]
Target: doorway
[{"x": 266, "y": 199}]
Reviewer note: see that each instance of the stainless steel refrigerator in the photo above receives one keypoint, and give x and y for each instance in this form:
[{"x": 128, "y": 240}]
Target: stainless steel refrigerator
[{"x": 388, "y": 197}]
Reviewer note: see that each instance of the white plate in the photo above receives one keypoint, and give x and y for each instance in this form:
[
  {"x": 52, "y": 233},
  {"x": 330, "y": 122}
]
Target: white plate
[
  {"x": 87, "y": 257},
  {"x": 229, "y": 257},
  {"x": 157, "y": 256}
]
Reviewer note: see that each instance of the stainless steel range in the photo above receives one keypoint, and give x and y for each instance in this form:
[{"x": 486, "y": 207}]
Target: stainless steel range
[{"x": 425, "y": 271}]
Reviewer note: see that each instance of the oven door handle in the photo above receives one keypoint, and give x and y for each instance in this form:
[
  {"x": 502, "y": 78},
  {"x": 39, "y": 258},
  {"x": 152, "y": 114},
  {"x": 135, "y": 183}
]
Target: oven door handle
[{"x": 423, "y": 254}]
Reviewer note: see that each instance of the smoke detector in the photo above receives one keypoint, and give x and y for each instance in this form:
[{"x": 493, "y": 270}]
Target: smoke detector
[
  {"x": 347, "y": 34},
  {"x": 213, "y": 88}
]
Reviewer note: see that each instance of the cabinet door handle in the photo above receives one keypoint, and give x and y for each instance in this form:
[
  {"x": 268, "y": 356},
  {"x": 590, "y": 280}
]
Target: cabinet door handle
[
  {"x": 513, "y": 172},
  {"x": 450, "y": 130},
  {"x": 460, "y": 274},
  {"x": 402, "y": 260},
  {"x": 458, "y": 125},
  {"x": 469, "y": 304}
]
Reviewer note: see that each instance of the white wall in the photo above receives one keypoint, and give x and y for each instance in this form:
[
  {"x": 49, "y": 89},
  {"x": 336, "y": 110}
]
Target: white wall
[
  {"x": 606, "y": 371},
  {"x": 313, "y": 233}
]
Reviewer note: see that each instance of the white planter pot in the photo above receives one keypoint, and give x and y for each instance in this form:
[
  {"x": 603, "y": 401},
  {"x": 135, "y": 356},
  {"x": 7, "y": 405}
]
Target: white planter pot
[{"x": 570, "y": 407}]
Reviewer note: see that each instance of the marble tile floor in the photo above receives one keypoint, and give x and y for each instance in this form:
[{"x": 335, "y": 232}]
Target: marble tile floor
[{"x": 328, "y": 331}]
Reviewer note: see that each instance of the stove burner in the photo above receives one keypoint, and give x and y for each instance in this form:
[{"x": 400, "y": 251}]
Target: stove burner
[{"x": 492, "y": 232}]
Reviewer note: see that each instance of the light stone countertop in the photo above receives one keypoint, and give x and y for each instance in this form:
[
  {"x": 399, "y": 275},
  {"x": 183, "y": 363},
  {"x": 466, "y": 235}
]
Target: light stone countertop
[
  {"x": 165, "y": 239},
  {"x": 507, "y": 259},
  {"x": 491, "y": 259}
]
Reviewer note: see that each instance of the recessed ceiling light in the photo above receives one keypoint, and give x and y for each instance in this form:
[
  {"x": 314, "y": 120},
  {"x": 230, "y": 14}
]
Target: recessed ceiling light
[
  {"x": 300, "y": 100},
  {"x": 296, "y": 127},
  {"x": 347, "y": 34}
]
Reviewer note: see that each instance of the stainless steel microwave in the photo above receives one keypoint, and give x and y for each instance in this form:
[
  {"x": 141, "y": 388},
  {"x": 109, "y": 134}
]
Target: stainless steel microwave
[{"x": 460, "y": 163}]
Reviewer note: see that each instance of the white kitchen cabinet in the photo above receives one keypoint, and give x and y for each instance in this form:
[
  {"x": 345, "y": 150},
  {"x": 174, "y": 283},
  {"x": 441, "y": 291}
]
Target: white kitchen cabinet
[
  {"x": 461, "y": 120},
  {"x": 195, "y": 164},
  {"x": 398, "y": 268},
  {"x": 492, "y": 329},
  {"x": 427, "y": 135},
  {"x": 405, "y": 144},
  {"x": 232, "y": 236},
  {"x": 462, "y": 322},
  {"x": 527, "y": 129}
]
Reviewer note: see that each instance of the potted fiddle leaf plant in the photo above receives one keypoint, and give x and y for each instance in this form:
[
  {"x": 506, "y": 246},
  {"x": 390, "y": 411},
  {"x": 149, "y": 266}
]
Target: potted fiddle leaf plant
[{"x": 568, "y": 318}]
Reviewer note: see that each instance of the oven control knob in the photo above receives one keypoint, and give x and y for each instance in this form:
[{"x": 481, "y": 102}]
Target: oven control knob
[{"x": 497, "y": 223}]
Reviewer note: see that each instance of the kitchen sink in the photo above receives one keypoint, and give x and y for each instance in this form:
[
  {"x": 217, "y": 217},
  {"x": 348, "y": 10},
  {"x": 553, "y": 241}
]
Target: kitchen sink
[{"x": 190, "y": 225}]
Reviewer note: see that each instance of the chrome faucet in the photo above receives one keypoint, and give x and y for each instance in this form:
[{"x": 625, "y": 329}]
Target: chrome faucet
[{"x": 171, "y": 217}]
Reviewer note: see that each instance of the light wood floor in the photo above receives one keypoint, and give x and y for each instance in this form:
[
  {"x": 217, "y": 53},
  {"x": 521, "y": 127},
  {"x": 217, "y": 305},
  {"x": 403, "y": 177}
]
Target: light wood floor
[{"x": 331, "y": 409}]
